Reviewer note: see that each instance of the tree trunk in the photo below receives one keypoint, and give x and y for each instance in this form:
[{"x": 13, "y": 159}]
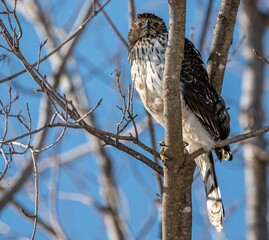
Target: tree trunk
[
  {"x": 252, "y": 117},
  {"x": 176, "y": 200}
]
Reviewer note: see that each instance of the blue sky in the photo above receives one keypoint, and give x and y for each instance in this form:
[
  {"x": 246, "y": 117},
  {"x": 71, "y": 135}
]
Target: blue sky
[{"x": 98, "y": 54}]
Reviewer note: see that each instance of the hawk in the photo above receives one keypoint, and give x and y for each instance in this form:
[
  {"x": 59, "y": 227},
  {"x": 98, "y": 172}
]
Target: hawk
[{"x": 205, "y": 119}]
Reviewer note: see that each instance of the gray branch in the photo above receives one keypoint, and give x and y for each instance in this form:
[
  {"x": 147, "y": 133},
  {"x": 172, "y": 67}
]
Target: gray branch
[{"x": 221, "y": 42}]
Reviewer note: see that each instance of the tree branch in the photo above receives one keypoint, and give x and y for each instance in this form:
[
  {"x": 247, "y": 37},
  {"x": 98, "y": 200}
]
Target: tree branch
[
  {"x": 221, "y": 42},
  {"x": 238, "y": 138},
  {"x": 72, "y": 36},
  {"x": 176, "y": 201},
  {"x": 72, "y": 111}
]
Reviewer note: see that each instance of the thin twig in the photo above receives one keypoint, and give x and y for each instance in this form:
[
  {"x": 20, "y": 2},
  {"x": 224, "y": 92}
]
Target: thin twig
[
  {"x": 73, "y": 35},
  {"x": 127, "y": 108},
  {"x": 232, "y": 140},
  {"x": 260, "y": 56},
  {"x": 53, "y": 195},
  {"x": 7, "y": 163},
  {"x": 42, "y": 224},
  {"x": 42, "y": 44},
  {"x": 205, "y": 25},
  {"x": 90, "y": 112},
  {"x": 59, "y": 138},
  {"x": 235, "y": 50},
  {"x": 36, "y": 193},
  {"x": 113, "y": 25}
]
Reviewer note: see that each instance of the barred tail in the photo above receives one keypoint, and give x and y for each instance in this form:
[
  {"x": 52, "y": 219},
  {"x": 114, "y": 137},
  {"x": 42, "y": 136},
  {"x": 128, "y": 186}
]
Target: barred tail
[{"x": 214, "y": 203}]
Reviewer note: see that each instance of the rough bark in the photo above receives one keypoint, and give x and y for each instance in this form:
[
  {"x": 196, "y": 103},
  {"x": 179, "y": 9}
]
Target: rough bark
[
  {"x": 176, "y": 205},
  {"x": 221, "y": 42},
  {"x": 254, "y": 24}
]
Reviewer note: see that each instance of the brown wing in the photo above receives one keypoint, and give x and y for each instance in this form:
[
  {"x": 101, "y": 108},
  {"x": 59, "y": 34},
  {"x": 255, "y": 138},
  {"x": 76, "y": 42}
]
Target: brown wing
[{"x": 201, "y": 97}]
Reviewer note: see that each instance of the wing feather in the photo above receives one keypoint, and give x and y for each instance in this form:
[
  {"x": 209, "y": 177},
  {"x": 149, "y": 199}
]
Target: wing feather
[{"x": 201, "y": 97}]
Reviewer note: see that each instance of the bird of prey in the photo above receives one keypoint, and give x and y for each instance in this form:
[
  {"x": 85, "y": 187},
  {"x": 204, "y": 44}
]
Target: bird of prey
[{"x": 205, "y": 119}]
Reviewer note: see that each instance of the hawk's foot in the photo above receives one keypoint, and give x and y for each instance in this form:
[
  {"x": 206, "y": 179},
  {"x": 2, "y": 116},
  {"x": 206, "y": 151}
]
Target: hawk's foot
[{"x": 163, "y": 156}]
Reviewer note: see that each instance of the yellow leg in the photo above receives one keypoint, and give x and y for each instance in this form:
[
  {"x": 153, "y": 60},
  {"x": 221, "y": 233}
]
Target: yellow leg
[
  {"x": 162, "y": 151},
  {"x": 163, "y": 156}
]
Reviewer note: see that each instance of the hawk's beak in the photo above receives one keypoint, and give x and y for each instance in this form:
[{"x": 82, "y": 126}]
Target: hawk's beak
[{"x": 148, "y": 26}]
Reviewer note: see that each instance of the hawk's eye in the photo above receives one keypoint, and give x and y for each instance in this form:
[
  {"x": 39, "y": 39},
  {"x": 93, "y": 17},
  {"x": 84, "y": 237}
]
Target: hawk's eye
[
  {"x": 156, "y": 25},
  {"x": 140, "y": 25}
]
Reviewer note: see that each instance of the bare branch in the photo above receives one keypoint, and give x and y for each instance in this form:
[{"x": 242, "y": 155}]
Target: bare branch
[
  {"x": 205, "y": 25},
  {"x": 36, "y": 193},
  {"x": 132, "y": 11},
  {"x": 53, "y": 197},
  {"x": 222, "y": 40},
  {"x": 235, "y": 50},
  {"x": 260, "y": 57},
  {"x": 42, "y": 44},
  {"x": 45, "y": 226},
  {"x": 90, "y": 112},
  {"x": 73, "y": 35},
  {"x": 127, "y": 108},
  {"x": 7, "y": 163},
  {"x": 232, "y": 140},
  {"x": 113, "y": 25}
]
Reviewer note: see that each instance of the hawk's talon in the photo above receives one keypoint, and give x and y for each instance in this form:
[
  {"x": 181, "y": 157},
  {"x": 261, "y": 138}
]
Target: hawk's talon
[
  {"x": 162, "y": 143},
  {"x": 163, "y": 155}
]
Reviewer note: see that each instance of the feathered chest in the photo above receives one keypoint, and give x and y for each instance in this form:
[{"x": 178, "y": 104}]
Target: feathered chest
[
  {"x": 147, "y": 58},
  {"x": 147, "y": 63}
]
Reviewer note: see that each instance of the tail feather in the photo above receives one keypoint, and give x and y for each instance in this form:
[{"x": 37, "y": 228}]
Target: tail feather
[
  {"x": 215, "y": 209},
  {"x": 214, "y": 203}
]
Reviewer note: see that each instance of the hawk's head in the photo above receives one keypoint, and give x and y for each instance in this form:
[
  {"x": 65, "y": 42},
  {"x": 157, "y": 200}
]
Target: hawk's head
[{"x": 145, "y": 25}]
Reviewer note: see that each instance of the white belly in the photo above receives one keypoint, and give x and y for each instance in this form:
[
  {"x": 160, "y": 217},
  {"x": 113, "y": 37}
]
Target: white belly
[{"x": 193, "y": 131}]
